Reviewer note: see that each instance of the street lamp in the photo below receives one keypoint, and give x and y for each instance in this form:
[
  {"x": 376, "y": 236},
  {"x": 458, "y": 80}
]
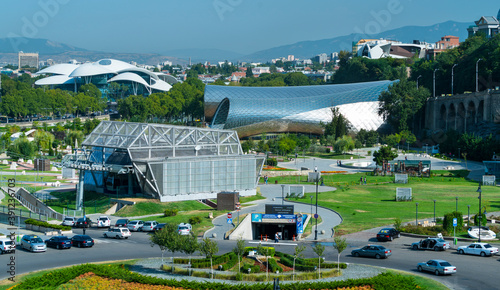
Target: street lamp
[
  {"x": 416, "y": 214},
  {"x": 282, "y": 194},
  {"x": 417, "y": 80},
  {"x": 456, "y": 204},
  {"x": 434, "y": 82},
  {"x": 452, "y": 77},
  {"x": 477, "y": 74},
  {"x": 311, "y": 205},
  {"x": 468, "y": 215},
  {"x": 479, "y": 218},
  {"x": 434, "y": 211},
  {"x": 316, "y": 215}
]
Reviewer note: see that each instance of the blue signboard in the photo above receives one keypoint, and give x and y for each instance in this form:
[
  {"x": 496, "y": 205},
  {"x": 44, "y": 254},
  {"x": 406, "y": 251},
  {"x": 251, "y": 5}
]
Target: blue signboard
[
  {"x": 300, "y": 225},
  {"x": 256, "y": 217},
  {"x": 455, "y": 222},
  {"x": 229, "y": 221},
  {"x": 278, "y": 216}
]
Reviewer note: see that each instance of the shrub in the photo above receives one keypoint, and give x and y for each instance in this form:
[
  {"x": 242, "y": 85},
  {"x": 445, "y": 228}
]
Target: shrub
[
  {"x": 328, "y": 150},
  {"x": 273, "y": 265},
  {"x": 483, "y": 220},
  {"x": 46, "y": 224},
  {"x": 253, "y": 268},
  {"x": 448, "y": 221},
  {"x": 271, "y": 162},
  {"x": 171, "y": 212},
  {"x": 397, "y": 223},
  {"x": 271, "y": 251},
  {"x": 195, "y": 220}
]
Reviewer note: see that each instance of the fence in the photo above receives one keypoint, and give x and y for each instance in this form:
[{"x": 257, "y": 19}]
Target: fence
[
  {"x": 35, "y": 205},
  {"x": 23, "y": 214}
]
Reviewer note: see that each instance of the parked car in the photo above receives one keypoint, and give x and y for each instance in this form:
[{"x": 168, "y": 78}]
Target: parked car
[
  {"x": 69, "y": 221},
  {"x": 83, "y": 223},
  {"x": 436, "y": 244},
  {"x": 135, "y": 226},
  {"x": 59, "y": 242},
  {"x": 149, "y": 226},
  {"x": 480, "y": 249},
  {"x": 103, "y": 222},
  {"x": 184, "y": 229},
  {"x": 122, "y": 223},
  {"x": 33, "y": 243},
  {"x": 7, "y": 246},
  {"x": 160, "y": 227},
  {"x": 373, "y": 251},
  {"x": 82, "y": 241},
  {"x": 119, "y": 233},
  {"x": 388, "y": 234},
  {"x": 437, "y": 267}
]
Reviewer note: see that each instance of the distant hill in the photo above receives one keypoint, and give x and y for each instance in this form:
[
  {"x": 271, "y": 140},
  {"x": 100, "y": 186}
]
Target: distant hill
[
  {"x": 202, "y": 55},
  {"x": 42, "y": 46},
  {"x": 308, "y": 49}
]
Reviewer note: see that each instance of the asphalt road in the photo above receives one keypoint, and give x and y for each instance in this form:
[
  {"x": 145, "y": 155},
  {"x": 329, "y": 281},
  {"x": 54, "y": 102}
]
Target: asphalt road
[{"x": 473, "y": 272}]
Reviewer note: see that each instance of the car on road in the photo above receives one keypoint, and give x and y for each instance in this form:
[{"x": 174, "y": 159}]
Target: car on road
[
  {"x": 480, "y": 249},
  {"x": 122, "y": 223},
  {"x": 119, "y": 233},
  {"x": 436, "y": 244},
  {"x": 7, "y": 246},
  {"x": 149, "y": 226},
  {"x": 59, "y": 242},
  {"x": 83, "y": 223},
  {"x": 160, "y": 227},
  {"x": 69, "y": 221},
  {"x": 438, "y": 267},
  {"x": 135, "y": 226},
  {"x": 373, "y": 251},
  {"x": 103, "y": 222},
  {"x": 388, "y": 234},
  {"x": 33, "y": 243},
  {"x": 184, "y": 229},
  {"x": 82, "y": 241}
]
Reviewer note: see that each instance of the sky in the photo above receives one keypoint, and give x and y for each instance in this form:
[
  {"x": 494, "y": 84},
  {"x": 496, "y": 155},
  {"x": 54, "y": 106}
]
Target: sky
[{"x": 241, "y": 26}]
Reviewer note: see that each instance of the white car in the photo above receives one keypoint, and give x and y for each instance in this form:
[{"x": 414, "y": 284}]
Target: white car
[
  {"x": 184, "y": 229},
  {"x": 118, "y": 233},
  {"x": 149, "y": 226},
  {"x": 480, "y": 249},
  {"x": 135, "y": 226},
  {"x": 103, "y": 222},
  {"x": 7, "y": 246},
  {"x": 69, "y": 221}
]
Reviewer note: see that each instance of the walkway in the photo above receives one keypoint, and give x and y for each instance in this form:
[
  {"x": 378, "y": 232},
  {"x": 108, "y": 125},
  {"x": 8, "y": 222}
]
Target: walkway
[{"x": 272, "y": 192}]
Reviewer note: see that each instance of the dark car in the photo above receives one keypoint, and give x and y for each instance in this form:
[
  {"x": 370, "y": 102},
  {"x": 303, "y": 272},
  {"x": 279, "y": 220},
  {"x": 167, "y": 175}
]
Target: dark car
[
  {"x": 388, "y": 234},
  {"x": 83, "y": 223},
  {"x": 59, "y": 242},
  {"x": 372, "y": 251},
  {"x": 122, "y": 223},
  {"x": 159, "y": 227},
  {"x": 82, "y": 241}
]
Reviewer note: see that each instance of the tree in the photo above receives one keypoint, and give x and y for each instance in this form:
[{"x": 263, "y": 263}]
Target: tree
[
  {"x": 22, "y": 148},
  {"x": 72, "y": 137},
  {"x": 249, "y": 72},
  {"x": 172, "y": 241},
  {"x": 319, "y": 249},
  {"x": 340, "y": 244},
  {"x": 160, "y": 238},
  {"x": 189, "y": 245},
  {"x": 43, "y": 139},
  {"x": 385, "y": 153},
  {"x": 297, "y": 254},
  {"x": 264, "y": 250},
  {"x": 338, "y": 126},
  {"x": 296, "y": 79},
  {"x": 239, "y": 250},
  {"x": 401, "y": 102},
  {"x": 209, "y": 248}
]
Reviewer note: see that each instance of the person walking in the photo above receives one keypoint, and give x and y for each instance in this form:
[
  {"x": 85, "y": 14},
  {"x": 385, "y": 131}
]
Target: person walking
[
  {"x": 333, "y": 232},
  {"x": 364, "y": 180},
  {"x": 276, "y": 238},
  {"x": 361, "y": 181},
  {"x": 265, "y": 179}
]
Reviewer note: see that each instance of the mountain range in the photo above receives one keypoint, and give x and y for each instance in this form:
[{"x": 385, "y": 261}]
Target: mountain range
[{"x": 61, "y": 52}]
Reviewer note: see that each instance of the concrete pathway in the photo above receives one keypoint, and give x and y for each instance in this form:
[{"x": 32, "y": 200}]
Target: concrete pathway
[{"x": 272, "y": 192}]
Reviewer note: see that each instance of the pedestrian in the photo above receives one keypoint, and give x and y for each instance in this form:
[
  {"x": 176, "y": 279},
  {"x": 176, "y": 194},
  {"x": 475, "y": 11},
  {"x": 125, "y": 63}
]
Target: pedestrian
[
  {"x": 296, "y": 155},
  {"x": 340, "y": 162},
  {"x": 276, "y": 238},
  {"x": 333, "y": 232},
  {"x": 361, "y": 181},
  {"x": 265, "y": 179},
  {"x": 364, "y": 180}
]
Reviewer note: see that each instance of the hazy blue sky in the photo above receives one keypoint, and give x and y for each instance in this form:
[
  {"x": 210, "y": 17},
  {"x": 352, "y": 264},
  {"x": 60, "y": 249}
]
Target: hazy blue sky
[{"x": 242, "y": 26}]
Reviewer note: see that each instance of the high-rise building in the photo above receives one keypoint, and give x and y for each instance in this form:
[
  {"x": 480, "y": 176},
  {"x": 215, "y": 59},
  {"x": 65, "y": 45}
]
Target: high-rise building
[{"x": 28, "y": 60}]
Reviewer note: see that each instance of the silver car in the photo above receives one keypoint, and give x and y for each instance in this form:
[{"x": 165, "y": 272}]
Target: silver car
[
  {"x": 33, "y": 243},
  {"x": 438, "y": 267},
  {"x": 135, "y": 226},
  {"x": 149, "y": 226},
  {"x": 69, "y": 221},
  {"x": 436, "y": 244}
]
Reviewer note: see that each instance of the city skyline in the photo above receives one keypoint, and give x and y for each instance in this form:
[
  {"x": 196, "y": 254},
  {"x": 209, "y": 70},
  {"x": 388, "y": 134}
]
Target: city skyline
[{"x": 235, "y": 26}]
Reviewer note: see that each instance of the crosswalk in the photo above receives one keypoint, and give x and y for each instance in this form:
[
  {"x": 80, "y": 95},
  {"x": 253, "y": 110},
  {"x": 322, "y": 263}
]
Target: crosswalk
[{"x": 114, "y": 241}]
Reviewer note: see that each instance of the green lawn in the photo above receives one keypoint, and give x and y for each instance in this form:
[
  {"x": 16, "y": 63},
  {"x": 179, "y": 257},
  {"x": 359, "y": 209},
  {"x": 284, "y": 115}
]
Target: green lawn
[
  {"x": 333, "y": 155},
  {"x": 94, "y": 202},
  {"x": 153, "y": 206},
  {"x": 371, "y": 205}
]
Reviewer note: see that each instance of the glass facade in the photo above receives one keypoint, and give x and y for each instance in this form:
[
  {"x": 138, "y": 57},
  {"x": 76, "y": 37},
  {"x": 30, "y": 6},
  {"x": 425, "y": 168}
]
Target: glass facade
[{"x": 254, "y": 110}]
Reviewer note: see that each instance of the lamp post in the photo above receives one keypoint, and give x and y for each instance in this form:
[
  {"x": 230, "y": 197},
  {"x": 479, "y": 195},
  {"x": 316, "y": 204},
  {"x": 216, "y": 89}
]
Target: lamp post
[
  {"x": 468, "y": 215},
  {"x": 416, "y": 214},
  {"x": 434, "y": 211},
  {"x": 479, "y": 218},
  {"x": 477, "y": 74},
  {"x": 459, "y": 154},
  {"x": 456, "y": 204},
  {"x": 452, "y": 77},
  {"x": 417, "y": 80},
  {"x": 316, "y": 215},
  {"x": 282, "y": 194},
  {"x": 311, "y": 205},
  {"x": 434, "y": 82}
]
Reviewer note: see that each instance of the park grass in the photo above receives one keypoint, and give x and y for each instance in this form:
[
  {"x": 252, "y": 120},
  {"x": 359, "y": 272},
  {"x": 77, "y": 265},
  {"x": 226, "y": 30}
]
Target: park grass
[
  {"x": 367, "y": 206},
  {"x": 156, "y": 207},
  {"x": 333, "y": 155},
  {"x": 94, "y": 202},
  {"x": 423, "y": 282},
  {"x": 310, "y": 226}
]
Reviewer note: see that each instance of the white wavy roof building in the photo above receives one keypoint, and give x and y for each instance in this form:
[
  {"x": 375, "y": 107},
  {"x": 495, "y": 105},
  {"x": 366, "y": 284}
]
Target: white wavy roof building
[{"x": 108, "y": 70}]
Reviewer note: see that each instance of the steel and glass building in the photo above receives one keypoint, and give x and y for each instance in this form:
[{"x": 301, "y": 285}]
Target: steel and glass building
[
  {"x": 255, "y": 110},
  {"x": 167, "y": 162}
]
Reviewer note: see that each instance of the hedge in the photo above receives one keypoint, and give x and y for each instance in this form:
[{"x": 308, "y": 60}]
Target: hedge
[
  {"x": 56, "y": 278},
  {"x": 306, "y": 264},
  {"x": 233, "y": 260},
  {"x": 271, "y": 251},
  {"x": 205, "y": 263},
  {"x": 273, "y": 266},
  {"x": 46, "y": 224},
  {"x": 271, "y": 162},
  {"x": 253, "y": 269}
]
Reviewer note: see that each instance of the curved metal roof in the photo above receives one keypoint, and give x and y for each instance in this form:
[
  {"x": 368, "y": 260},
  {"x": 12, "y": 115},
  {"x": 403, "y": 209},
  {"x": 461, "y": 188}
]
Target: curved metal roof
[
  {"x": 160, "y": 85},
  {"x": 130, "y": 77},
  {"x": 89, "y": 69},
  {"x": 59, "y": 69},
  {"x": 55, "y": 80}
]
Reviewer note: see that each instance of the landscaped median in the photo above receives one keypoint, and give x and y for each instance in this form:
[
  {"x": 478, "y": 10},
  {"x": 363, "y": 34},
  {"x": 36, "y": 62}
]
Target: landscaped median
[{"x": 46, "y": 228}]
